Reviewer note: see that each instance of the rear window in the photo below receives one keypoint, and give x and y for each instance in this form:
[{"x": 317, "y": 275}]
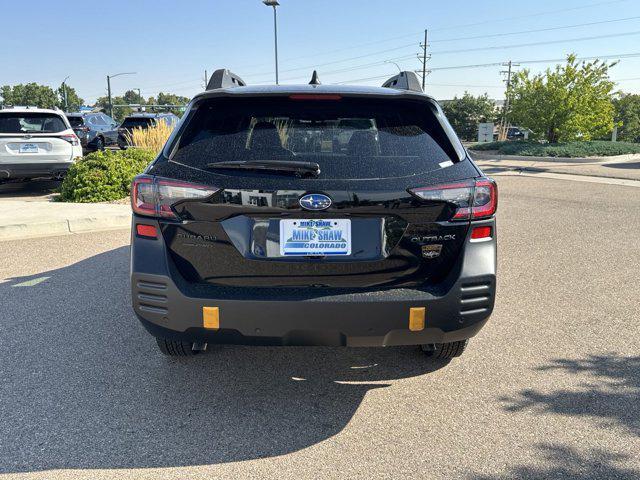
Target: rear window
[
  {"x": 31, "y": 122},
  {"x": 75, "y": 121},
  {"x": 349, "y": 137},
  {"x": 137, "y": 122}
]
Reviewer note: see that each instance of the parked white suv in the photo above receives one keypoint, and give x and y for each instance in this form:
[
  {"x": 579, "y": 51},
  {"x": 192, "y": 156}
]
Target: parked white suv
[{"x": 36, "y": 142}]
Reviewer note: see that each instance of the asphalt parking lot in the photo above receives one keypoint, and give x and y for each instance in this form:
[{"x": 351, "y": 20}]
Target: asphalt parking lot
[{"x": 549, "y": 389}]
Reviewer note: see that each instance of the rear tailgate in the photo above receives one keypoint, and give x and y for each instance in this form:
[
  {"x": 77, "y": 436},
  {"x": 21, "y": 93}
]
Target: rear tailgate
[
  {"x": 44, "y": 148},
  {"x": 371, "y": 152},
  {"x": 394, "y": 240}
]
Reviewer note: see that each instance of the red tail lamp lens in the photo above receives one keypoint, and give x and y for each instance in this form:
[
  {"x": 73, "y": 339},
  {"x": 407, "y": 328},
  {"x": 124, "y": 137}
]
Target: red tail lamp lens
[
  {"x": 480, "y": 232},
  {"x": 474, "y": 199},
  {"x": 146, "y": 231},
  {"x": 154, "y": 196}
]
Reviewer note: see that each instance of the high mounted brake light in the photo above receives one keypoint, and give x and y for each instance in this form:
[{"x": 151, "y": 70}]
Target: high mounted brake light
[
  {"x": 154, "y": 196},
  {"x": 474, "y": 199},
  {"x": 314, "y": 96}
]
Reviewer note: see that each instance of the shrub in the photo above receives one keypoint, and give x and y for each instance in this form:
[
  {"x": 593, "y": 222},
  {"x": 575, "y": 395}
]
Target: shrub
[
  {"x": 568, "y": 149},
  {"x": 152, "y": 138},
  {"x": 104, "y": 176}
]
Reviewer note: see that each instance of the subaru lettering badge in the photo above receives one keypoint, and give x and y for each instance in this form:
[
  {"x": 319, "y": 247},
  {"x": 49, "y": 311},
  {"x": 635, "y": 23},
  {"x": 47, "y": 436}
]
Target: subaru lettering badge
[{"x": 315, "y": 201}]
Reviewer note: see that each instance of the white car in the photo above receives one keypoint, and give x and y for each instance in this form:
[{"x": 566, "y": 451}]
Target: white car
[{"x": 36, "y": 143}]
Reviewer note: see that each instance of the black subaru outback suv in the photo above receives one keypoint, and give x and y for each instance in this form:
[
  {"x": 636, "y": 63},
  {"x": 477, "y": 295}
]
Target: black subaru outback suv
[{"x": 313, "y": 215}]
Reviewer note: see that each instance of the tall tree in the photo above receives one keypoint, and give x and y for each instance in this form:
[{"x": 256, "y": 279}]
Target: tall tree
[
  {"x": 571, "y": 102},
  {"x": 30, "y": 94},
  {"x": 74, "y": 102},
  {"x": 465, "y": 113},
  {"x": 172, "y": 99},
  {"x": 627, "y": 117}
]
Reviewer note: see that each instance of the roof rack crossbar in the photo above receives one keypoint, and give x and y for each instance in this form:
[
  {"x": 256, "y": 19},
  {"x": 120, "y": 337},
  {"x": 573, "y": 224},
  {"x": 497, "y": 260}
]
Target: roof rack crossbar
[
  {"x": 405, "y": 80},
  {"x": 223, "y": 78}
]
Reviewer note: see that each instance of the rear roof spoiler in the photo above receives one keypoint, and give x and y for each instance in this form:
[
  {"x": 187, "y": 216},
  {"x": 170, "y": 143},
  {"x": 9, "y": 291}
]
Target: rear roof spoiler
[
  {"x": 404, "y": 81},
  {"x": 224, "y": 78}
]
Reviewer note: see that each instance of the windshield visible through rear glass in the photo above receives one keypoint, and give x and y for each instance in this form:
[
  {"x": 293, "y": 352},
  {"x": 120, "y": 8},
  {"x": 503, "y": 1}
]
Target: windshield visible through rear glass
[
  {"x": 26, "y": 122},
  {"x": 348, "y": 138},
  {"x": 133, "y": 122},
  {"x": 75, "y": 121}
]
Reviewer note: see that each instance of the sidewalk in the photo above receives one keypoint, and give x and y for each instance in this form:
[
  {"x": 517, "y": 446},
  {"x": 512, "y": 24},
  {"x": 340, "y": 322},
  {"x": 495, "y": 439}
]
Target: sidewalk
[
  {"x": 25, "y": 218},
  {"x": 626, "y": 167}
]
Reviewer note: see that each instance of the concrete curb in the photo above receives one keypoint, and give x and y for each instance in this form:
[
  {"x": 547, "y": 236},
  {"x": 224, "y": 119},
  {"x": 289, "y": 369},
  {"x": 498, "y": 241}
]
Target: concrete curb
[
  {"x": 479, "y": 155},
  {"x": 18, "y": 231}
]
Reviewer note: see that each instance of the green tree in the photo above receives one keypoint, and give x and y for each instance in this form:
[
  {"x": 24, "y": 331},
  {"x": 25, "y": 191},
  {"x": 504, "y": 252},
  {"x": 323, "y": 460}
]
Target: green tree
[
  {"x": 30, "y": 94},
  {"x": 172, "y": 99},
  {"x": 571, "y": 102},
  {"x": 119, "y": 113},
  {"x": 627, "y": 117},
  {"x": 74, "y": 102},
  {"x": 466, "y": 112}
]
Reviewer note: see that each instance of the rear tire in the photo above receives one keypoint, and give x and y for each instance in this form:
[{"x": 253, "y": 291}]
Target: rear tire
[
  {"x": 172, "y": 348},
  {"x": 100, "y": 144},
  {"x": 445, "y": 350}
]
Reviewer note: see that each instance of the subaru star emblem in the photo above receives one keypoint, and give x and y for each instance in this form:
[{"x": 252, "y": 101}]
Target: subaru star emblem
[{"x": 315, "y": 201}]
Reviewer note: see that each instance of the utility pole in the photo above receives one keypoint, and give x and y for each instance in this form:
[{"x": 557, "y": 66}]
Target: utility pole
[
  {"x": 109, "y": 96},
  {"x": 424, "y": 58},
  {"x": 502, "y": 135},
  {"x": 139, "y": 98},
  {"x": 64, "y": 94},
  {"x": 206, "y": 79},
  {"x": 109, "y": 77}
]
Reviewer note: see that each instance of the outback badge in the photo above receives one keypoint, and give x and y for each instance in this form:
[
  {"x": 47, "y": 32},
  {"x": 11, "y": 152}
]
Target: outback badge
[{"x": 431, "y": 251}]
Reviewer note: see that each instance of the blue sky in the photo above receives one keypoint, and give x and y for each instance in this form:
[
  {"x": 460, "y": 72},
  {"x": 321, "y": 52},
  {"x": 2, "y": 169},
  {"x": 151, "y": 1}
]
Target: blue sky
[{"x": 170, "y": 44}]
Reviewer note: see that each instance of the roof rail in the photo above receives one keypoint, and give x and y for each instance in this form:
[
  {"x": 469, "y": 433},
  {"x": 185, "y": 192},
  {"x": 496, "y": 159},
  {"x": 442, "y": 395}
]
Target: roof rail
[
  {"x": 224, "y": 78},
  {"x": 404, "y": 81}
]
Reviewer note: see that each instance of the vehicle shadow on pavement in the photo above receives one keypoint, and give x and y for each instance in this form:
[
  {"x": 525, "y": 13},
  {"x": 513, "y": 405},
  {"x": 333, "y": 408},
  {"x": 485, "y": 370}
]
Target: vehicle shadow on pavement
[{"x": 85, "y": 387}]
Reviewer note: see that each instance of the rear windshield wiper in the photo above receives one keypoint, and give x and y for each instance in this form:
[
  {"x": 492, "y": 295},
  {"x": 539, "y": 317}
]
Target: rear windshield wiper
[{"x": 303, "y": 169}]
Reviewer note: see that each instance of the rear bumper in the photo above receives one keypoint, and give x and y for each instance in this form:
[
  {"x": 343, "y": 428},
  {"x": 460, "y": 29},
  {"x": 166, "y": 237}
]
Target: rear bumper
[
  {"x": 169, "y": 307},
  {"x": 33, "y": 170}
]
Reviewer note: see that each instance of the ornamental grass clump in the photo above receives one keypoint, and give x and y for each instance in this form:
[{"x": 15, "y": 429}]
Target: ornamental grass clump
[{"x": 151, "y": 138}]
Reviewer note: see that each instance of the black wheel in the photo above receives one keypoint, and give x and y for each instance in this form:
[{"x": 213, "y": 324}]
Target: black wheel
[
  {"x": 445, "y": 350},
  {"x": 176, "y": 349},
  {"x": 99, "y": 144}
]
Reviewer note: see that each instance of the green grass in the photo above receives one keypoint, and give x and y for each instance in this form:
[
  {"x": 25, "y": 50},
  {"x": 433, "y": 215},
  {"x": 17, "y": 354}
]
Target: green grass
[{"x": 568, "y": 149}]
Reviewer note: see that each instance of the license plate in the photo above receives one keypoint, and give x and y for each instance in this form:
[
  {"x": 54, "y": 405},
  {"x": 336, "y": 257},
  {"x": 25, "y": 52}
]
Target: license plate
[
  {"x": 315, "y": 237},
  {"x": 28, "y": 148}
]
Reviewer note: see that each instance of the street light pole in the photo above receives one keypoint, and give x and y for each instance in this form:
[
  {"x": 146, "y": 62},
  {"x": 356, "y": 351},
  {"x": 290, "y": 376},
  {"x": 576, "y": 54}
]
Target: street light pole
[
  {"x": 109, "y": 77},
  {"x": 64, "y": 93},
  {"x": 274, "y": 4}
]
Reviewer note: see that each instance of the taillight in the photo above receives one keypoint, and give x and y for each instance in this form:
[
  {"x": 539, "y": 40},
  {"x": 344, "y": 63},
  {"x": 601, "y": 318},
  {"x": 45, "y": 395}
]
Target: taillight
[
  {"x": 474, "y": 199},
  {"x": 479, "y": 233},
  {"x": 154, "y": 196},
  {"x": 71, "y": 138}
]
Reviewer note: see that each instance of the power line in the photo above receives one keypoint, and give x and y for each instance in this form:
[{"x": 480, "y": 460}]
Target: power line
[
  {"x": 337, "y": 61},
  {"x": 494, "y": 47},
  {"x": 549, "y": 60},
  {"x": 533, "y": 44},
  {"x": 417, "y": 34},
  {"x": 530, "y": 15},
  {"x": 499, "y": 64},
  {"x": 505, "y": 34}
]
